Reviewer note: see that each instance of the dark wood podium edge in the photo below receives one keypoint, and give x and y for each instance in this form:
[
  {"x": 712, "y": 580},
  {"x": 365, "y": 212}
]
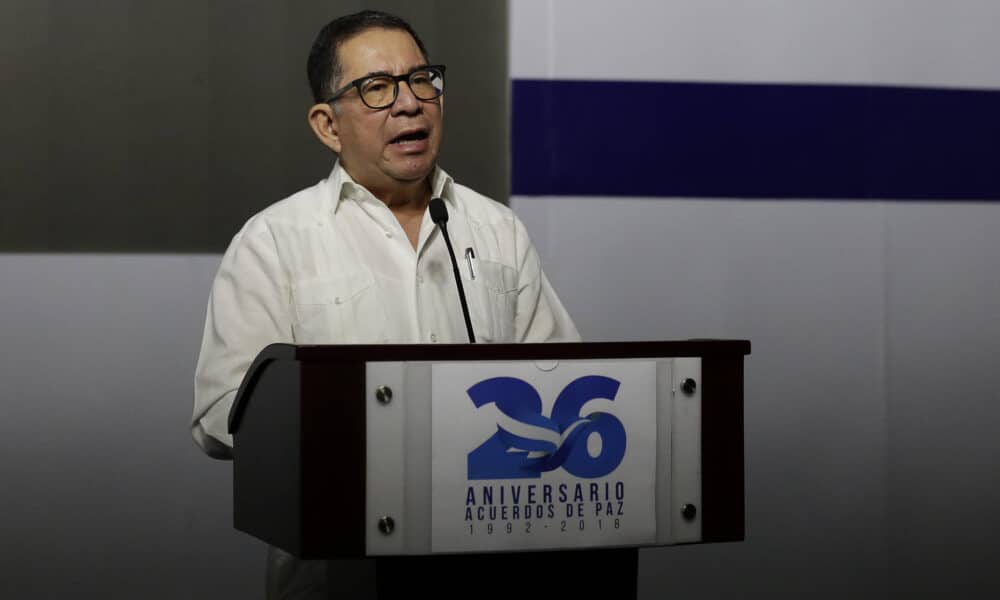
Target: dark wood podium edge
[
  {"x": 722, "y": 478},
  {"x": 323, "y": 366},
  {"x": 567, "y": 351}
]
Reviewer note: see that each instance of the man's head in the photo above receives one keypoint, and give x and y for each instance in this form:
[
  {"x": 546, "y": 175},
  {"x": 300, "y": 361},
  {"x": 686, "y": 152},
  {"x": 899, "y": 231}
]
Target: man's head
[{"x": 382, "y": 148}]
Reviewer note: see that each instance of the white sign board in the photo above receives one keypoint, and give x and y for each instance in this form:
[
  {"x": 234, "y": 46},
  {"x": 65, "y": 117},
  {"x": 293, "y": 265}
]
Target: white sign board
[{"x": 536, "y": 456}]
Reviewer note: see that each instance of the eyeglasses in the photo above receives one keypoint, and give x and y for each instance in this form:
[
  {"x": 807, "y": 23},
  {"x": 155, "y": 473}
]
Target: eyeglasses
[{"x": 381, "y": 91}]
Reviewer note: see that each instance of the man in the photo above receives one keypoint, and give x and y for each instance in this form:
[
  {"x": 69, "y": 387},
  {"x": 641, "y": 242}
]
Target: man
[{"x": 356, "y": 258}]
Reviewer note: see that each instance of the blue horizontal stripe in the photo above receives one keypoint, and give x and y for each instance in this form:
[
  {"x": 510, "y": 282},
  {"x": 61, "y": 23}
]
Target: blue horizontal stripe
[{"x": 615, "y": 138}]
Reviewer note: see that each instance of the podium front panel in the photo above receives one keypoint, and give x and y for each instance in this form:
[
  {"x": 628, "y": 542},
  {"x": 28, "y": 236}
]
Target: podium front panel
[{"x": 547, "y": 510}]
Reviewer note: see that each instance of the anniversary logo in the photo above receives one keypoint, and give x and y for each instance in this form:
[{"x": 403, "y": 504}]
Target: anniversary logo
[{"x": 564, "y": 457}]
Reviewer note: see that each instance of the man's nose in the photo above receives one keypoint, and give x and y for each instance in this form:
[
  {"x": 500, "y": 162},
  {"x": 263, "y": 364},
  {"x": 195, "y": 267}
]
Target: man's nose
[{"x": 405, "y": 102}]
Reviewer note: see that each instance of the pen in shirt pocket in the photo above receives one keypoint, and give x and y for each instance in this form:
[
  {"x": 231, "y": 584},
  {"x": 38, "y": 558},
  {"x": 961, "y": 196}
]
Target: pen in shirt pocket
[{"x": 470, "y": 255}]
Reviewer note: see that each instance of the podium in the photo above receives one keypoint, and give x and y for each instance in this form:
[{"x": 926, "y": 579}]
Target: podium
[{"x": 492, "y": 470}]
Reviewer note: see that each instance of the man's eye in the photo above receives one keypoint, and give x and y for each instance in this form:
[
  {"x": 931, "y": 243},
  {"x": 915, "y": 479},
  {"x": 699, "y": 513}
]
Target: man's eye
[
  {"x": 376, "y": 86},
  {"x": 421, "y": 79}
]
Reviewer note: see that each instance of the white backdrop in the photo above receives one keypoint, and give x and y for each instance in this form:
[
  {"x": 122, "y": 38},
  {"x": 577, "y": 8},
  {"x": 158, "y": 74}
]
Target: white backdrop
[{"x": 871, "y": 397}]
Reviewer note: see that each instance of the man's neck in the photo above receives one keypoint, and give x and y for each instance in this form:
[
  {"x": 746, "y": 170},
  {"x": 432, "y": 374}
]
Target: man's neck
[
  {"x": 408, "y": 205},
  {"x": 406, "y": 199}
]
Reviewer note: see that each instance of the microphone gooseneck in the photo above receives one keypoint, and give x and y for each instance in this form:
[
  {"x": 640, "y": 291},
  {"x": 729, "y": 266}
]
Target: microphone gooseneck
[{"x": 439, "y": 214}]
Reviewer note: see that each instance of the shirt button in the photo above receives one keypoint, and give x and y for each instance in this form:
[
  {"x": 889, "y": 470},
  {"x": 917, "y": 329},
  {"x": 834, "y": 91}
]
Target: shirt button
[
  {"x": 434, "y": 337},
  {"x": 388, "y": 234},
  {"x": 337, "y": 300},
  {"x": 420, "y": 278}
]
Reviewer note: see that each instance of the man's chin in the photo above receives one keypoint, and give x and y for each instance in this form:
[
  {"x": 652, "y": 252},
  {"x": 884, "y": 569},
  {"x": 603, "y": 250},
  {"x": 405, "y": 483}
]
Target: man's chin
[{"x": 412, "y": 171}]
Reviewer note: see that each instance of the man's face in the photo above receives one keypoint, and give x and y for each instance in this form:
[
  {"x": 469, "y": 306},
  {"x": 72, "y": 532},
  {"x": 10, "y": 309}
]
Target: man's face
[{"x": 370, "y": 146}]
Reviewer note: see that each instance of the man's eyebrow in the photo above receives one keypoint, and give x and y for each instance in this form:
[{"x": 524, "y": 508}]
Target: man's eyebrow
[
  {"x": 388, "y": 74},
  {"x": 375, "y": 74}
]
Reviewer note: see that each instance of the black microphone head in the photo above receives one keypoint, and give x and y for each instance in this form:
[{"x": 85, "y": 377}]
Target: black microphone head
[{"x": 439, "y": 213}]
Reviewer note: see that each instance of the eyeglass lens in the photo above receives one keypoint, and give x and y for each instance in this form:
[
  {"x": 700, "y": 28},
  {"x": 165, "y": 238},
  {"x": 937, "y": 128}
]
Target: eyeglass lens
[{"x": 379, "y": 92}]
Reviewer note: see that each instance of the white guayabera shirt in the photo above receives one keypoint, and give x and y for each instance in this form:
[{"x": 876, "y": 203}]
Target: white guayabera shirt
[{"x": 332, "y": 265}]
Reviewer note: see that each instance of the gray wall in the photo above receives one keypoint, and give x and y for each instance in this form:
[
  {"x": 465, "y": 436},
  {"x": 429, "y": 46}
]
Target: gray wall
[
  {"x": 104, "y": 493},
  {"x": 134, "y": 126}
]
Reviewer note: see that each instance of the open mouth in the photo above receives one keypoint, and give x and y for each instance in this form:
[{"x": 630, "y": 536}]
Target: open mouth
[{"x": 410, "y": 136}]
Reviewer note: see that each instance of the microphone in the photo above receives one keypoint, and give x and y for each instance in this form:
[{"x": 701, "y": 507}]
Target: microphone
[{"x": 439, "y": 214}]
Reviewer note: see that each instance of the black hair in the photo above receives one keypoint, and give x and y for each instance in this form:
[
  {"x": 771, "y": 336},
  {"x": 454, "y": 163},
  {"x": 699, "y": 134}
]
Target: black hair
[{"x": 323, "y": 66}]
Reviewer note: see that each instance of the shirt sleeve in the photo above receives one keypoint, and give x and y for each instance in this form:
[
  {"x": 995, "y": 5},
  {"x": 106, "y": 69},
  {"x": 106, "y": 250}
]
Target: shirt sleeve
[
  {"x": 248, "y": 309},
  {"x": 540, "y": 316}
]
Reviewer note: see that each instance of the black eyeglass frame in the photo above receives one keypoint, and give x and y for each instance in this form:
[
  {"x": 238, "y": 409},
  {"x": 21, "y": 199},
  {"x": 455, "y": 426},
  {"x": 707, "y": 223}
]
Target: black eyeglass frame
[{"x": 395, "y": 81}]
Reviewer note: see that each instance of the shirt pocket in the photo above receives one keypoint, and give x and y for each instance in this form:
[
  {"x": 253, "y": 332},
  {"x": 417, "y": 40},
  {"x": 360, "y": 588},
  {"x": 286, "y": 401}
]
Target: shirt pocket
[
  {"x": 495, "y": 305},
  {"x": 341, "y": 309}
]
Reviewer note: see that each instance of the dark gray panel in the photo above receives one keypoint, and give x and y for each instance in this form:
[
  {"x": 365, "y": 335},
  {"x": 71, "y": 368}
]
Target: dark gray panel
[
  {"x": 162, "y": 127},
  {"x": 23, "y": 93}
]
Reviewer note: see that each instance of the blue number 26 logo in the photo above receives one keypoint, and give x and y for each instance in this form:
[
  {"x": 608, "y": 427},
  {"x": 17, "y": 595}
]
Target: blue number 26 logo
[{"x": 508, "y": 456}]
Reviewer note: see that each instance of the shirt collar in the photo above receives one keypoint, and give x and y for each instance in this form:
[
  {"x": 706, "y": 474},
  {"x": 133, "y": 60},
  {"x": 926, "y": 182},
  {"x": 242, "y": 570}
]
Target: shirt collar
[{"x": 342, "y": 186}]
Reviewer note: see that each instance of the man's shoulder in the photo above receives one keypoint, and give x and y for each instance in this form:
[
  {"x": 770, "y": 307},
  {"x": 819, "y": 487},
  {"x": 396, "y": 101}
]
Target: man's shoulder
[
  {"x": 301, "y": 209},
  {"x": 302, "y": 206}
]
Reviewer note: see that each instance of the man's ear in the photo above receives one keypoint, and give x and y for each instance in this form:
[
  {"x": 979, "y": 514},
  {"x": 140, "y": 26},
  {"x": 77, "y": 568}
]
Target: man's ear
[{"x": 325, "y": 124}]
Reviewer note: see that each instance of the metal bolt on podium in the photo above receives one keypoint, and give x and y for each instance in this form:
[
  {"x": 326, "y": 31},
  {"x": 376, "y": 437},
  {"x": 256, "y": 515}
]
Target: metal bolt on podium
[
  {"x": 689, "y": 512},
  {"x": 386, "y": 525},
  {"x": 383, "y": 394},
  {"x": 688, "y": 386}
]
